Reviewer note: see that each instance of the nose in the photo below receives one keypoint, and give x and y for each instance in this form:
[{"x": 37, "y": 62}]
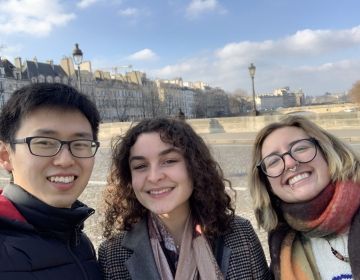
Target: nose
[
  {"x": 289, "y": 162},
  {"x": 155, "y": 174},
  {"x": 64, "y": 157}
]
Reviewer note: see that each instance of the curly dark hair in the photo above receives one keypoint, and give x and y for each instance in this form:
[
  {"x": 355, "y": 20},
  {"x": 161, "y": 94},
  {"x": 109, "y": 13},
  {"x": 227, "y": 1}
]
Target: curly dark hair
[{"x": 210, "y": 204}]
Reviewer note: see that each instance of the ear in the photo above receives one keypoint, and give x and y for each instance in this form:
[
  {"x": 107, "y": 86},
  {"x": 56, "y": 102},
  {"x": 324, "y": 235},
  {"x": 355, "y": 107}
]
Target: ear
[{"x": 5, "y": 156}]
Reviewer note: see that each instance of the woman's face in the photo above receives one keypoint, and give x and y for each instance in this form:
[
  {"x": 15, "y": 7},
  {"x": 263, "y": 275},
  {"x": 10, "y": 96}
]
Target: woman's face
[
  {"x": 160, "y": 178},
  {"x": 299, "y": 182}
]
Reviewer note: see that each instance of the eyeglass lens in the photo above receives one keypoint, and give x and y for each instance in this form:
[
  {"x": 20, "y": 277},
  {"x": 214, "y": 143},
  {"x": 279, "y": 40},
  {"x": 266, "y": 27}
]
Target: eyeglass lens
[
  {"x": 302, "y": 151},
  {"x": 47, "y": 147}
]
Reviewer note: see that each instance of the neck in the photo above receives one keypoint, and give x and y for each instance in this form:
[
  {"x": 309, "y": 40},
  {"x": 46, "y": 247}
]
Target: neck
[{"x": 175, "y": 224}]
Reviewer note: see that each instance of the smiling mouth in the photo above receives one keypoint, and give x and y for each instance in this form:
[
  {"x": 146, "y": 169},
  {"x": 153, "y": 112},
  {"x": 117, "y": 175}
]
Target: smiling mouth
[
  {"x": 62, "y": 179},
  {"x": 297, "y": 178},
  {"x": 159, "y": 191}
]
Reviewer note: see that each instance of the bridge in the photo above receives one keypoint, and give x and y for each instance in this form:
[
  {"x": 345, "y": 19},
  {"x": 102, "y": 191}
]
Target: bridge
[
  {"x": 335, "y": 117},
  {"x": 320, "y": 109}
]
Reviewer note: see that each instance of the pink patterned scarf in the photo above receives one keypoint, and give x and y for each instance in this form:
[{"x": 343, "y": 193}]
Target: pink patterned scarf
[{"x": 196, "y": 260}]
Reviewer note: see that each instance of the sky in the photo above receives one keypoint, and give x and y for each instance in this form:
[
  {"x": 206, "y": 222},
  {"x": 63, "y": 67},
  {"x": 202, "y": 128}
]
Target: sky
[{"x": 313, "y": 45}]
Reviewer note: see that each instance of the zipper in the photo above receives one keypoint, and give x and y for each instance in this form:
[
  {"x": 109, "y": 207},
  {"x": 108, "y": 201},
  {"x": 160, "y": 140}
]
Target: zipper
[{"x": 76, "y": 241}]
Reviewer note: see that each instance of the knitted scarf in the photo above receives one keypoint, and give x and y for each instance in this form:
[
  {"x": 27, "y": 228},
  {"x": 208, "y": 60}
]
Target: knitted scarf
[
  {"x": 335, "y": 210},
  {"x": 196, "y": 260}
]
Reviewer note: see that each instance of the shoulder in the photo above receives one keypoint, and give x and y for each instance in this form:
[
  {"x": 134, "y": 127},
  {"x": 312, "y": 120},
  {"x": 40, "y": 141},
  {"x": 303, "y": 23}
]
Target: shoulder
[
  {"x": 239, "y": 227},
  {"x": 240, "y": 234},
  {"x": 240, "y": 223},
  {"x": 247, "y": 259},
  {"x": 112, "y": 244},
  {"x": 112, "y": 257}
]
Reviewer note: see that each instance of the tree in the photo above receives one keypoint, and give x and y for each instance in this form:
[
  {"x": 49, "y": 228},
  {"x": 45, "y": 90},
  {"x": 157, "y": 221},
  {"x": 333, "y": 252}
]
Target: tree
[
  {"x": 354, "y": 92},
  {"x": 240, "y": 92}
]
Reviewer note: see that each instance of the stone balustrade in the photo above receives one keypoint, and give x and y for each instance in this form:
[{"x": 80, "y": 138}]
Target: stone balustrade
[{"x": 341, "y": 120}]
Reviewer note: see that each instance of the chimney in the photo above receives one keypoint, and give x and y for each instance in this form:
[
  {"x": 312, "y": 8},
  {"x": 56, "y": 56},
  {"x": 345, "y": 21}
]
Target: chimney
[
  {"x": 18, "y": 63},
  {"x": 51, "y": 62},
  {"x": 36, "y": 62}
]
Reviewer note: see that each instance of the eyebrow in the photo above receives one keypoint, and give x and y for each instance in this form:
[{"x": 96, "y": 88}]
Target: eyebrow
[
  {"x": 289, "y": 145},
  {"x": 50, "y": 132},
  {"x": 162, "y": 153}
]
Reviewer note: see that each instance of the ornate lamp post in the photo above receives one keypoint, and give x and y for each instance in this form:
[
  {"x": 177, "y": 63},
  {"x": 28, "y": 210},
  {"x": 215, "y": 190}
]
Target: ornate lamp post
[
  {"x": 78, "y": 57},
  {"x": 252, "y": 70}
]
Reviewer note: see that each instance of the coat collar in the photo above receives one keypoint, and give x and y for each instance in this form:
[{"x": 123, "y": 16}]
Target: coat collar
[
  {"x": 141, "y": 264},
  {"x": 46, "y": 218}
]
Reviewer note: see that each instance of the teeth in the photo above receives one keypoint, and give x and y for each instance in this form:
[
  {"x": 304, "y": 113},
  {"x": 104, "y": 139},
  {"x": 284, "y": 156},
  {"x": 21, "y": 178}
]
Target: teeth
[
  {"x": 297, "y": 178},
  {"x": 62, "y": 179},
  {"x": 161, "y": 191}
]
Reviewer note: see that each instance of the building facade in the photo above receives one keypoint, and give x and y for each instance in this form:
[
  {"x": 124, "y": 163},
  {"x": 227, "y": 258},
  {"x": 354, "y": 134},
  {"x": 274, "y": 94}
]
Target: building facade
[
  {"x": 281, "y": 98},
  {"x": 121, "y": 97}
]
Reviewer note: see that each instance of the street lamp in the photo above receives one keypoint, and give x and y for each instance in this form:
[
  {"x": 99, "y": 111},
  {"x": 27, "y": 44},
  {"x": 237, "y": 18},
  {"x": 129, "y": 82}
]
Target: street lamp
[
  {"x": 78, "y": 57},
  {"x": 252, "y": 70}
]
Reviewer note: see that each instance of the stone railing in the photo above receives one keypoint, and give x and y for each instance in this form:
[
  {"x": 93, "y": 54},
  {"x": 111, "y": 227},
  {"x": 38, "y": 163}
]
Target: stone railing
[{"x": 341, "y": 120}]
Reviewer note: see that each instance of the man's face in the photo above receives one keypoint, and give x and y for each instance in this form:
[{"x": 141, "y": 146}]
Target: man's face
[{"x": 58, "y": 180}]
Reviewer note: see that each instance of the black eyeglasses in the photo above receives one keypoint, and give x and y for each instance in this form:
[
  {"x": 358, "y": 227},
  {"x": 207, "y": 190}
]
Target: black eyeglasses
[
  {"x": 49, "y": 147},
  {"x": 303, "y": 151}
]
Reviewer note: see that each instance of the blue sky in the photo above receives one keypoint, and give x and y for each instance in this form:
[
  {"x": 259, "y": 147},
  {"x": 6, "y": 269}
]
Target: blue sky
[{"x": 308, "y": 44}]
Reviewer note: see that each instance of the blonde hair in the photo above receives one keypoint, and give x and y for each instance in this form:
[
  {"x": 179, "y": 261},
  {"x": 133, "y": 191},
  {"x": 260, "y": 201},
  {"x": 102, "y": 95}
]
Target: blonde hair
[{"x": 343, "y": 165}]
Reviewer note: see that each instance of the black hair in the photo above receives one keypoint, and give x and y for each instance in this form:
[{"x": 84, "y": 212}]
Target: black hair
[{"x": 44, "y": 95}]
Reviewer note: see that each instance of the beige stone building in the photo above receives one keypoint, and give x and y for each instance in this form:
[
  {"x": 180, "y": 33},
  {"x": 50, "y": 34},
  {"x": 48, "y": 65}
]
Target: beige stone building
[{"x": 119, "y": 97}]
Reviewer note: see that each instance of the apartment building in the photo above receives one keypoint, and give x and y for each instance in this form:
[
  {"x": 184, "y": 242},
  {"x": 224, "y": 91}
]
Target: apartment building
[{"x": 119, "y": 97}]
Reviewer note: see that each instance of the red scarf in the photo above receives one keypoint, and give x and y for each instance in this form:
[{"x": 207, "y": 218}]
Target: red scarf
[{"x": 333, "y": 211}]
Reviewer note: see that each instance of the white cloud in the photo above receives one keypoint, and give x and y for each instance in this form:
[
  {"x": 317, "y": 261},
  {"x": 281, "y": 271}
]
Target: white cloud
[
  {"x": 34, "y": 17},
  {"x": 86, "y": 3},
  {"x": 184, "y": 68},
  {"x": 303, "y": 43},
  {"x": 145, "y": 54},
  {"x": 129, "y": 12},
  {"x": 304, "y": 60},
  {"x": 198, "y": 7},
  {"x": 10, "y": 51}
]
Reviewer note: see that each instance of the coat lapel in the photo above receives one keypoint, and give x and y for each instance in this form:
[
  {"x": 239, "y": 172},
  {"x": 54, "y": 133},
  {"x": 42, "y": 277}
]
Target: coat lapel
[
  {"x": 222, "y": 255},
  {"x": 141, "y": 264},
  {"x": 224, "y": 265}
]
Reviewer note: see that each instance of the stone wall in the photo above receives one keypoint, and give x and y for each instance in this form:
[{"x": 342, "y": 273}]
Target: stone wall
[{"x": 340, "y": 120}]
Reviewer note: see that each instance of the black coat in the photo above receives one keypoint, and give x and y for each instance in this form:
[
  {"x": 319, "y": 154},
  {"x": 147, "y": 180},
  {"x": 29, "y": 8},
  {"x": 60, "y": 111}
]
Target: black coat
[{"x": 38, "y": 241}]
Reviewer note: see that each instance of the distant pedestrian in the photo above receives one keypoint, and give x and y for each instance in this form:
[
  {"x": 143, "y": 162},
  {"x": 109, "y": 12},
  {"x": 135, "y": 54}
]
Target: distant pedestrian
[
  {"x": 181, "y": 115},
  {"x": 48, "y": 140},
  {"x": 168, "y": 215},
  {"x": 305, "y": 185}
]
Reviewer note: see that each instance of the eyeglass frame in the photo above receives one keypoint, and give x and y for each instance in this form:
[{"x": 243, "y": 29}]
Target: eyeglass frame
[
  {"x": 27, "y": 140},
  {"x": 311, "y": 139}
]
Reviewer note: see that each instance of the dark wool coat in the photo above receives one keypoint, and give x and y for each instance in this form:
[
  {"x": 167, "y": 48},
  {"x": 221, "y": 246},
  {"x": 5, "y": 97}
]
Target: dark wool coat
[
  {"x": 41, "y": 242},
  {"x": 129, "y": 254}
]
